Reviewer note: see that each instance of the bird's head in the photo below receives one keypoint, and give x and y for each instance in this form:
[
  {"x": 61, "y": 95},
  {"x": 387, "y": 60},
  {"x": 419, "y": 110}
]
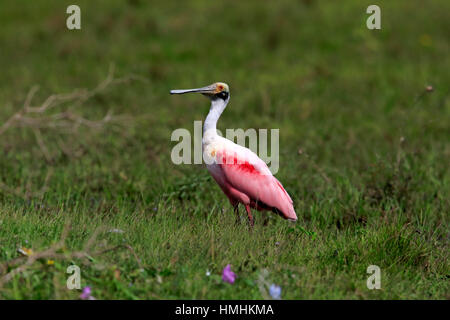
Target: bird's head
[{"x": 218, "y": 90}]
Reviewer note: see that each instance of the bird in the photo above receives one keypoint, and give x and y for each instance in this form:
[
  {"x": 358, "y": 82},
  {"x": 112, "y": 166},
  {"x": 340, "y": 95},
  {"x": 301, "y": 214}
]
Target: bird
[{"x": 243, "y": 177}]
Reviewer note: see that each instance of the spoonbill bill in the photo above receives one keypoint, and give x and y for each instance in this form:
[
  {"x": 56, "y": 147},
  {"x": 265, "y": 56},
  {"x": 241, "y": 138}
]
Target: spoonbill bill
[{"x": 240, "y": 173}]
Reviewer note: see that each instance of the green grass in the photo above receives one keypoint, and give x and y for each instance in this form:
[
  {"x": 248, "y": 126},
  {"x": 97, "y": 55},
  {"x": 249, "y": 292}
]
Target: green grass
[{"x": 370, "y": 184}]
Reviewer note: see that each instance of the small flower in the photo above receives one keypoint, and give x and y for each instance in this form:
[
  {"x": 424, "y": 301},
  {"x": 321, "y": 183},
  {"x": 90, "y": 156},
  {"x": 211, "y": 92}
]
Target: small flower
[
  {"x": 26, "y": 251},
  {"x": 50, "y": 262},
  {"x": 86, "y": 294},
  {"x": 228, "y": 275},
  {"x": 208, "y": 273},
  {"x": 275, "y": 292},
  {"x": 429, "y": 88}
]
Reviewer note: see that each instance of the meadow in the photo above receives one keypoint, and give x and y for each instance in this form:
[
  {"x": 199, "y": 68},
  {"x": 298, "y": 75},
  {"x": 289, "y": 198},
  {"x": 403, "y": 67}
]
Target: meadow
[{"x": 86, "y": 176}]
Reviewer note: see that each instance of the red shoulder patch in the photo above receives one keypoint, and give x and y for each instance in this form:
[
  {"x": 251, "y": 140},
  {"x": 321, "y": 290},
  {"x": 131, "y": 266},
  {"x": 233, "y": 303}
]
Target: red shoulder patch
[{"x": 236, "y": 163}]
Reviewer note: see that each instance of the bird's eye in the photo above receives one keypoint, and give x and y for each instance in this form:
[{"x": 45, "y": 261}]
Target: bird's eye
[{"x": 223, "y": 95}]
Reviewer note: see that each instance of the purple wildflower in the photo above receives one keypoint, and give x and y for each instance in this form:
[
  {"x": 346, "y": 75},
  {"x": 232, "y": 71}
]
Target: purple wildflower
[
  {"x": 275, "y": 292},
  {"x": 86, "y": 294},
  {"x": 228, "y": 275}
]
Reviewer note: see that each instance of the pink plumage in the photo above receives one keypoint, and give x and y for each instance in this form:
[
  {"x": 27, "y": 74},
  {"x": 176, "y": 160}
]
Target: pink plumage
[
  {"x": 241, "y": 175},
  {"x": 246, "y": 179}
]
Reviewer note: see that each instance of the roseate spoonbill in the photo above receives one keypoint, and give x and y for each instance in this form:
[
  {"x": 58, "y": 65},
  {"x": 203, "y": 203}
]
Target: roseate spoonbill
[{"x": 240, "y": 173}]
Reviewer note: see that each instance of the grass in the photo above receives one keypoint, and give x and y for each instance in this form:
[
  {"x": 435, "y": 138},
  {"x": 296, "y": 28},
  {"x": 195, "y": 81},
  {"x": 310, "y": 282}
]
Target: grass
[{"x": 364, "y": 148}]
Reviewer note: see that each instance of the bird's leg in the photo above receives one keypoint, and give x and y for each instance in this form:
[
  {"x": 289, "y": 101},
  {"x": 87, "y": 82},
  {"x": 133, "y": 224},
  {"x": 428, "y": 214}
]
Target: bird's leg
[
  {"x": 236, "y": 211},
  {"x": 265, "y": 218},
  {"x": 250, "y": 217}
]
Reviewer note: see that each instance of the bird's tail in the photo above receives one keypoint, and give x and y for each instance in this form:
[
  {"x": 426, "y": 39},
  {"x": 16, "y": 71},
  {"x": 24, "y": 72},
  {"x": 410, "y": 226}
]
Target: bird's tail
[{"x": 286, "y": 205}]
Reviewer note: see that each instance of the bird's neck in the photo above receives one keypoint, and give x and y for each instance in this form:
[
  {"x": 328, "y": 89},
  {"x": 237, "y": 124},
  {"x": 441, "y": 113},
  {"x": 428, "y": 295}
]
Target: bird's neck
[{"x": 217, "y": 107}]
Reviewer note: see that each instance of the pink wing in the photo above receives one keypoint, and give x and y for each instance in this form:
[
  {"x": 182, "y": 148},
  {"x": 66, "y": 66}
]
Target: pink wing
[{"x": 247, "y": 173}]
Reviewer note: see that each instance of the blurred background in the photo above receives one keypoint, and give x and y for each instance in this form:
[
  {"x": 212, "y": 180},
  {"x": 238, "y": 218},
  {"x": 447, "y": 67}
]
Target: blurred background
[
  {"x": 340, "y": 92},
  {"x": 363, "y": 114}
]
